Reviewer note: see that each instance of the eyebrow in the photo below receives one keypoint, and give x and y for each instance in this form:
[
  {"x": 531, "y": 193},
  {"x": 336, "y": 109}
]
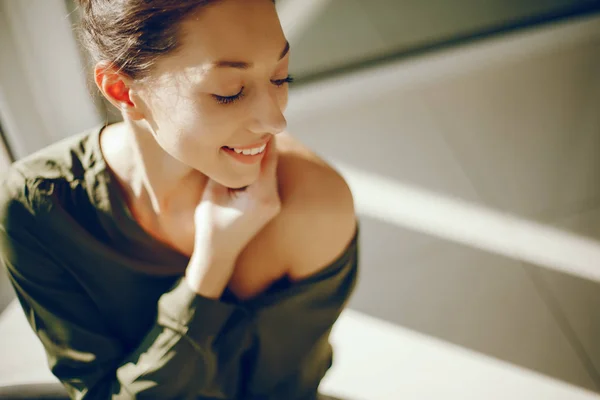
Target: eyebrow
[{"x": 245, "y": 65}]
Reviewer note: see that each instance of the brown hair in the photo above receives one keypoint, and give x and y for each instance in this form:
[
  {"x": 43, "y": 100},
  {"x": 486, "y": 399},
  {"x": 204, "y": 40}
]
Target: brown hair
[{"x": 132, "y": 34}]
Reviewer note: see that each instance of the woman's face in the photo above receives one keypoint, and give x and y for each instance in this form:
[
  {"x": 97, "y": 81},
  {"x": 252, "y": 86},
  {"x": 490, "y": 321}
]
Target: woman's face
[{"x": 225, "y": 88}]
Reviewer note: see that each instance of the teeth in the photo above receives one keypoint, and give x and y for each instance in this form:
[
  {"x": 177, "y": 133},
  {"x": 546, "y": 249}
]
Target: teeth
[{"x": 251, "y": 152}]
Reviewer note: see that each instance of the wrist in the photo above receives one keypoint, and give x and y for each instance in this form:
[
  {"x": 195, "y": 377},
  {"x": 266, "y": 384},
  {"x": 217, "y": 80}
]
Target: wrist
[{"x": 208, "y": 279}]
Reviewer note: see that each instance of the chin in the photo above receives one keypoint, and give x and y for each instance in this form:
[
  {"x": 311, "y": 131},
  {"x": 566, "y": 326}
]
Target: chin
[{"x": 238, "y": 181}]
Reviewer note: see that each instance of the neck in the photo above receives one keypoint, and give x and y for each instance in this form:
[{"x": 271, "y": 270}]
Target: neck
[{"x": 152, "y": 178}]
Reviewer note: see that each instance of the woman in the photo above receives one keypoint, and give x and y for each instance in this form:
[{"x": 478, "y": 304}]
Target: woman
[{"x": 195, "y": 250}]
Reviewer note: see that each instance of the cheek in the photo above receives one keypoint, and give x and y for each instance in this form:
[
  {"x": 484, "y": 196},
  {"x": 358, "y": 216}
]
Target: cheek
[
  {"x": 283, "y": 99},
  {"x": 207, "y": 127},
  {"x": 184, "y": 124},
  {"x": 185, "y": 119},
  {"x": 219, "y": 122}
]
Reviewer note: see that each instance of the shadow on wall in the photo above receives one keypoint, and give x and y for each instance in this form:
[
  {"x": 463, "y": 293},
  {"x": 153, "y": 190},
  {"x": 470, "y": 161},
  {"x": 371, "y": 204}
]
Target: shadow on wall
[{"x": 352, "y": 34}]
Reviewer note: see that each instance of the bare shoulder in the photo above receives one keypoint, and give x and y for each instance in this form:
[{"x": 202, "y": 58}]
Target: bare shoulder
[
  {"x": 315, "y": 226},
  {"x": 317, "y": 220}
]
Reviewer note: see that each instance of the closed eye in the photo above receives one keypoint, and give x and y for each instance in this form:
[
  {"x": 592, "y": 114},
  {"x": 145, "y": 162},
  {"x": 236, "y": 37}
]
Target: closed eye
[
  {"x": 240, "y": 94},
  {"x": 229, "y": 99},
  {"x": 281, "y": 82}
]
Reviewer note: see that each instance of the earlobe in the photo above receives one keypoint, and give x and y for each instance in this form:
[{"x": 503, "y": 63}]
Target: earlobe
[
  {"x": 127, "y": 104},
  {"x": 131, "y": 111}
]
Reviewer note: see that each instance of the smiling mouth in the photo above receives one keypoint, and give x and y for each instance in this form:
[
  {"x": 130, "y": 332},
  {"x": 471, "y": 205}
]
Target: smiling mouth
[
  {"x": 247, "y": 156},
  {"x": 248, "y": 152}
]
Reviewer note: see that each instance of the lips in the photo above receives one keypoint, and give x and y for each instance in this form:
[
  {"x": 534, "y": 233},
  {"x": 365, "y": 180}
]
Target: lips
[
  {"x": 248, "y": 151},
  {"x": 253, "y": 156}
]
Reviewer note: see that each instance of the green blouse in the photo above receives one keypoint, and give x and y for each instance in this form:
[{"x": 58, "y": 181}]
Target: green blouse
[{"x": 108, "y": 302}]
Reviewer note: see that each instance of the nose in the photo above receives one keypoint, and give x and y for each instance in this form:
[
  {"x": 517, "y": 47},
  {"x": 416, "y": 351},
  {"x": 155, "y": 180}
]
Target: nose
[{"x": 267, "y": 112}]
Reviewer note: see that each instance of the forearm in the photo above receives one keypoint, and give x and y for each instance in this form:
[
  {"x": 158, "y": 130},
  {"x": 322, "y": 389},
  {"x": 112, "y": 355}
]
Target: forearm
[{"x": 177, "y": 358}]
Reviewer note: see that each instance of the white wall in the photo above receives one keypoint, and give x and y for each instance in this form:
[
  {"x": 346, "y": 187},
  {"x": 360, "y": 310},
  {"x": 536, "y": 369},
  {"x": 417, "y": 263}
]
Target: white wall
[
  {"x": 510, "y": 125},
  {"x": 43, "y": 94}
]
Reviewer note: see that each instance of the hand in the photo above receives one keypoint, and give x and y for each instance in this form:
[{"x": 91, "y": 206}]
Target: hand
[{"x": 225, "y": 222}]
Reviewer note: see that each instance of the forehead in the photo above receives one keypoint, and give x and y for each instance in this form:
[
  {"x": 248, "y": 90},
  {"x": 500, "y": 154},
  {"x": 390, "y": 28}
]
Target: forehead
[{"x": 244, "y": 30}]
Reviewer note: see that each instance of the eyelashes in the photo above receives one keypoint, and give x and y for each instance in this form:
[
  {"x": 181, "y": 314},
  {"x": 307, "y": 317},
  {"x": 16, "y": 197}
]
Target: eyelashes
[
  {"x": 241, "y": 93},
  {"x": 229, "y": 99},
  {"x": 281, "y": 82}
]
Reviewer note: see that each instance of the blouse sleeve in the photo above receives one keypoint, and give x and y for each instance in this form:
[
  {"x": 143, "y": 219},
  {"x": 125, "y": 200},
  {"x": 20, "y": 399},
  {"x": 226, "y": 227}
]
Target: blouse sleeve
[
  {"x": 175, "y": 359},
  {"x": 292, "y": 330}
]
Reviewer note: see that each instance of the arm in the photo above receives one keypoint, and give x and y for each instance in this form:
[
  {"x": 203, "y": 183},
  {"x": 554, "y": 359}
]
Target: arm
[
  {"x": 293, "y": 331},
  {"x": 176, "y": 358}
]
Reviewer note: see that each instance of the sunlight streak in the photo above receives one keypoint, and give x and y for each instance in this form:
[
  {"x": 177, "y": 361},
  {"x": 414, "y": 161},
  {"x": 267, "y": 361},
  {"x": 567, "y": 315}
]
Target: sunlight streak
[
  {"x": 472, "y": 224},
  {"x": 377, "y": 360}
]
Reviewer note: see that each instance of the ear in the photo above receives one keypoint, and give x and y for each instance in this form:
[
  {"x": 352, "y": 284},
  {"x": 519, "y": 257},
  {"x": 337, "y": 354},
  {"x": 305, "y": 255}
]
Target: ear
[{"x": 116, "y": 88}]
